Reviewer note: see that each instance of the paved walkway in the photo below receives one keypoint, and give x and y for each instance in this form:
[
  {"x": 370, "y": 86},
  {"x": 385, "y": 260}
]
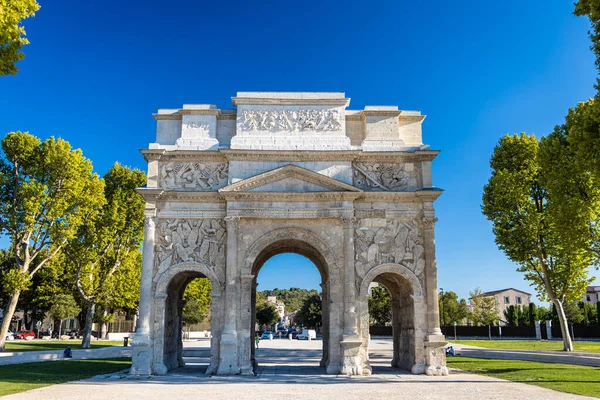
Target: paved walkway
[{"x": 291, "y": 371}]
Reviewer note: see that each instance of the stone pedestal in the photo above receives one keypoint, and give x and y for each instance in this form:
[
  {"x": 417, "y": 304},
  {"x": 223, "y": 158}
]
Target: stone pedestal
[
  {"x": 538, "y": 330},
  {"x": 141, "y": 359},
  {"x": 549, "y": 329},
  {"x": 435, "y": 356}
]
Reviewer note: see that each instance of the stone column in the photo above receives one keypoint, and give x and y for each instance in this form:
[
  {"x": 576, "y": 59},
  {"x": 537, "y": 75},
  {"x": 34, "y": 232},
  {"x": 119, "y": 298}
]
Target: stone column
[
  {"x": 431, "y": 284},
  {"x": 141, "y": 340},
  {"x": 549, "y": 330},
  {"x": 351, "y": 340},
  {"x": 435, "y": 355},
  {"x": 538, "y": 330},
  {"x": 228, "y": 360},
  {"x": 350, "y": 323}
]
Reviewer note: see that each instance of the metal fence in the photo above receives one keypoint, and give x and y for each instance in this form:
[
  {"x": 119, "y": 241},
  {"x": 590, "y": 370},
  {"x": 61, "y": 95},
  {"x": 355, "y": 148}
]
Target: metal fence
[{"x": 120, "y": 326}]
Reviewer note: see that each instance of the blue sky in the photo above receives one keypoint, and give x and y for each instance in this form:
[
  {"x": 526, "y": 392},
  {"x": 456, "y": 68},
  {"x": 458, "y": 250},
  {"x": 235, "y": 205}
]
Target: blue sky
[{"x": 95, "y": 71}]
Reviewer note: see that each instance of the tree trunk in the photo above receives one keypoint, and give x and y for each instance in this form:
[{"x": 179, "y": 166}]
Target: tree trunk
[
  {"x": 60, "y": 329},
  {"x": 103, "y": 332},
  {"x": 490, "y": 331},
  {"x": 564, "y": 326},
  {"x": 9, "y": 311},
  {"x": 89, "y": 320}
]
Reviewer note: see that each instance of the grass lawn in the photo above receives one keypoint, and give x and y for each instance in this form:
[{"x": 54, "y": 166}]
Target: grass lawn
[
  {"x": 41, "y": 345},
  {"x": 590, "y": 347},
  {"x": 21, "y": 377},
  {"x": 565, "y": 378}
]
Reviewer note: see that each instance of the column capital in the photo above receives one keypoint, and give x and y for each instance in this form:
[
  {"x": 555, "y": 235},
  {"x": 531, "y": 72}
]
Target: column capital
[
  {"x": 149, "y": 222},
  {"x": 349, "y": 222},
  {"x": 232, "y": 221},
  {"x": 429, "y": 223}
]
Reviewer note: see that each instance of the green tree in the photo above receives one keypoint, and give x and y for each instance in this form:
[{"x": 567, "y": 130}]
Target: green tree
[
  {"x": 310, "y": 314},
  {"x": 527, "y": 228},
  {"x": 63, "y": 307},
  {"x": 47, "y": 190},
  {"x": 533, "y": 314},
  {"x": 452, "y": 309},
  {"x": 292, "y": 298},
  {"x": 380, "y": 309},
  {"x": 12, "y": 33},
  {"x": 483, "y": 310},
  {"x": 197, "y": 301},
  {"x": 266, "y": 313},
  {"x": 109, "y": 242}
]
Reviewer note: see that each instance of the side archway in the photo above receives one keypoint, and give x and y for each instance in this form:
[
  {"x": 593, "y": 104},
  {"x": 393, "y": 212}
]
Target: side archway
[
  {"x": 168, "y": 305},
  {"x": 408, "y": 316}
]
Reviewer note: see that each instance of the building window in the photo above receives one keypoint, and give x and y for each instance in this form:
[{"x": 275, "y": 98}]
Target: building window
[
  {"x": 506, "y": 300},
  {"x": 519, "y": 301},
  {"x": 588, "y": 298}
]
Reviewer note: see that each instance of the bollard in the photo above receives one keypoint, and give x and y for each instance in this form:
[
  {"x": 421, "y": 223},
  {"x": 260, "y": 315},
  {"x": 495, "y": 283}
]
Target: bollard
[
  {"x": 290, "y": 336},
  {"x": 125, "y": 341}
]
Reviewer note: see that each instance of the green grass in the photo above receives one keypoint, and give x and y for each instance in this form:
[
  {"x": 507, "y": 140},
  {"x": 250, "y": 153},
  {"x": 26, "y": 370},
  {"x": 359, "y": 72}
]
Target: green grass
[
  {"x": 590, "y": 347},
  {"x": 564, "y": 378},
  {"x": 42, "y": 345},
  {"x": 21, "y": 377}
]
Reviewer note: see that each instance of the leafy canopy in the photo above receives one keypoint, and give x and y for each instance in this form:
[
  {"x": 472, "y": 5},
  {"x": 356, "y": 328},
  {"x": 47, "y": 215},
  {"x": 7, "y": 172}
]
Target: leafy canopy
[
  {"x": 12, "y": 33},
  {"x": 380, "y": 309}
]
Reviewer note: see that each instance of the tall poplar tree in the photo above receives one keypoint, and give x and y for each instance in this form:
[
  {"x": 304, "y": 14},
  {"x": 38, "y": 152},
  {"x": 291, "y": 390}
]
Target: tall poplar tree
[
  {"x": 47, "y": 191},
  {"x": 527, "y": 221},
  {"x": 12, "y": 33},
  {"x": 109, "y": 241}
]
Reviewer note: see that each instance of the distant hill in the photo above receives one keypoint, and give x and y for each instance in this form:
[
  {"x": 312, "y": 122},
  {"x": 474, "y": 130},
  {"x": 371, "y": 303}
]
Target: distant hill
[{"x": 292, "y": 297}]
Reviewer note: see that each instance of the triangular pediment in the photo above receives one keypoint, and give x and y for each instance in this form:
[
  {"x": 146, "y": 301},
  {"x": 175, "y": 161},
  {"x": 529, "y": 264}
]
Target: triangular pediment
[{"x": 290, "y": 179}]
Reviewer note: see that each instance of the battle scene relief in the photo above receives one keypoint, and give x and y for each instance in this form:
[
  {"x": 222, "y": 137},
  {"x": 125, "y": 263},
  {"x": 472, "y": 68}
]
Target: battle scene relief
[
  {"x": 193, "y": 176},
  {"x": 198, "y": 240},
  {"x": 399, "y": 242},
  {"x": 384, "y": 176}
]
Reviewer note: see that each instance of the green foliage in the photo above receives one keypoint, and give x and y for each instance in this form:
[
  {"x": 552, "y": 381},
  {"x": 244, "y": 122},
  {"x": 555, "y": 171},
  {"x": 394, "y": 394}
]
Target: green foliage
[
  {"x": 64, "y": 306},
  {"x": 310, "y": 314},
  {"x": 452, "y": 309},
  {"x": 533, "y": 314},
  {"x": 483, "y": 309},
  {"x": 12, "y": 33},
  {"x": 537, "y": 223},
  {"x": 14, "y": 281},
  {"x": 266, "y": 313},
  {"x": 292, "y": 298},
  {"x": 591, "y": 9},
  {"x": 589, "y": 313},
  {"x": 380, "y": 309},
  {"x": 197, "y": 301},
  {"x": 47, "y": 191},
  {"x": 516, "y": 315}
]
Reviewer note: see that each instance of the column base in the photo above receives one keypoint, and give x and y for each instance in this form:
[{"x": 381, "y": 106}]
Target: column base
[
  {"x": 141, "y": 355},
  {"x": 435, "y": 355},
  {"x": 352, "y": 361},
  {"x": 228, "y": 360}
]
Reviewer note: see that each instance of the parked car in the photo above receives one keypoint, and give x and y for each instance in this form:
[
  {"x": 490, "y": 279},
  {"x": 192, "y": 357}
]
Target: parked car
[
  {"x": 10, "y": 335},
  {"x": 307, "y": 334},
  {"x": 267, "y": 335},
  {"x": 25, "y": 334}
]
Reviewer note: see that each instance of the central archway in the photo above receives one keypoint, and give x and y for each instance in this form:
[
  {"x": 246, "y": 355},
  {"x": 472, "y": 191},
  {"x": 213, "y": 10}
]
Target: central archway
[{"x": 307, "y": 244}]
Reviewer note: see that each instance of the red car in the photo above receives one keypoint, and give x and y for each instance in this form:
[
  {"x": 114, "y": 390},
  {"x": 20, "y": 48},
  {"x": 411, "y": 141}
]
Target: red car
[{"x": 24, "y": 334}]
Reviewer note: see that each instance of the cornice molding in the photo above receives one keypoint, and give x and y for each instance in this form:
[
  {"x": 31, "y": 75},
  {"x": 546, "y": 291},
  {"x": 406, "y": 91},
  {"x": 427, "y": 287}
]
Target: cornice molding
[{"x": 252, "y": 101}]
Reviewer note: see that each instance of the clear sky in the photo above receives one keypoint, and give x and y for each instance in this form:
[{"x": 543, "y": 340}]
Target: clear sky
[{"x": 95, "y": 71}]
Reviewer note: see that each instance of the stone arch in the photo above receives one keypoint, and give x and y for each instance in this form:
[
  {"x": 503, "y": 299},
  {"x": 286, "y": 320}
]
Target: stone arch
[
  {"x": 315, "y": 248},
  {"x": 408, "y": 315},
  {"x": 289, "y": 233},
  {"x": 162, "y": 302},
  {"x": 162, "y": 280},
  {"x": 391, "y": 268}
]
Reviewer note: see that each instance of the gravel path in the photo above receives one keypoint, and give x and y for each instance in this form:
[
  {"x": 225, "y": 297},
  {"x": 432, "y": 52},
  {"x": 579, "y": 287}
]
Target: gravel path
[{"x": 294, "y": 374}]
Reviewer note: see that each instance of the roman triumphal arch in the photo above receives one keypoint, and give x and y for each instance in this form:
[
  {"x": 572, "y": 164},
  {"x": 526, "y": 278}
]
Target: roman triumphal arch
[{"x": 289, "y": 172}]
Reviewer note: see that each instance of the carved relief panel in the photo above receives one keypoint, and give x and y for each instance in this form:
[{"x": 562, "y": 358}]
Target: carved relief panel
[
  {"x": 399, "y": 242},
  {"x": 193, "y": 176},
  {"x": 290, "y": 120},
  {"x": 198, "y": 240},
  {"x": 385, "y": 176}
]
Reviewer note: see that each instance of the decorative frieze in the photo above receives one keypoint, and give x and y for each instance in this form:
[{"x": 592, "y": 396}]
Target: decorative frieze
[
  {"x": 290, "y": 120},
  {"x": 193, "y": 176},
  {"x": 399, "y": 242},
  {"x": 198, "y": 240},
  {"x": 383, "y": 176}
]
